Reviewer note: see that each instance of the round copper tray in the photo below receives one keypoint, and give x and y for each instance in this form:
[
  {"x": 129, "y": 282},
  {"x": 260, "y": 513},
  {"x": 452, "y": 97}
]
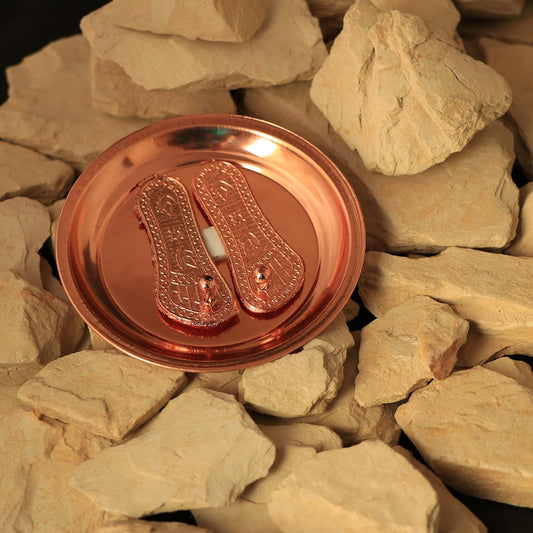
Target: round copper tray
[{"x": 105, "y": 260}]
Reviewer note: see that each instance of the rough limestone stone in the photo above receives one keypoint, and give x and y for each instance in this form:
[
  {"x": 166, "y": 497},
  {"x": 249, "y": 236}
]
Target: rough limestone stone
[
  {"x": 50, "y": 283},
  {"x": 49, "y": 107},
  {"x": 468, "y": 200},
  {"x": 402, "y": 95},
  {"x": 99, "y": 343},
  {"x": 24, "y": 226},
  {"x": 54, "y": 210},
  {"x": 330, "y": 14},
  {"x": 494, "y": 292},
  {"x": 523, "y": 243},
  {"x": 208, "y": 462},
  {"x": 37, "y": 460},
  {"x": 35, "y": 327},
  {"x": 480, "y": 444},
  {"x": 316, "y": 372},
  {"x": 144, "y": 526},
  {"x": 209, "y": 20},
  {"x": 11, "y": 378},
  {"x": 512, "y": 61},
  {"x": 490, "y": 9},
  {"x": 453, "y": 515},
  {"x": 405, "y": 348},
  {"x": 107, "y": 393},
  {"x": 113, "y": 92},
  {"x": 345, "y": 416},
  {"x": 363, "y": 487},
  {"x": 27, "y": 173},
  {"x": 300, "y": 434},
  {"x": 439, "y": 14},
  {"x": 509, "y": 30},
  {"x": 288, "y": 47},
  {"x": 517, "y": 370},
  {"x": 227, "y": 382},
  {"x": 351, "y": 310}
]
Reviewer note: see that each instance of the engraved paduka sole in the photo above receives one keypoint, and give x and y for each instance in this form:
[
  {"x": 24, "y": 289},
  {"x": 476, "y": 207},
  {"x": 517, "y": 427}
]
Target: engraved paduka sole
[
  {"x": 267, "y": 272},
  {"x": 188, "y": 287}
]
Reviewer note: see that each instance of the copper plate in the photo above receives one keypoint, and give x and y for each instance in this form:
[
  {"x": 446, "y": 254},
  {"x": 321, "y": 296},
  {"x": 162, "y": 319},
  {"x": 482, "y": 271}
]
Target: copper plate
[{"x": 105, "y": 260}]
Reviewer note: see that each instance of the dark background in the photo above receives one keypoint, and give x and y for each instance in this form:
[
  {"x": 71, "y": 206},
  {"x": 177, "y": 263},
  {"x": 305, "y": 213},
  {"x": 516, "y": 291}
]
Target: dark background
[{"x": 28, "y": 25}]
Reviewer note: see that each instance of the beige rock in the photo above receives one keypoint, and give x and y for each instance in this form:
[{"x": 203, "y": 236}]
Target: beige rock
[
  {"x": 209, "y": 20},
  {"x": 143, "y": 526},
  {"x": 405, "y": 348},
  {"x": 24, "y": 226},
  {"x": 354, "y": 489},
  {"x": 494, "y": 292},
  {"x": 99, "y": 343},
  {"x": 510, "y": 30},
  {"x": 300, "y": 434},
  {"x": 54, "y": 210},
  {"x": 468, "y": 200},
  {"x": 351, "y": 310},
  {"x": 11, "y": 378},
  {"x": 523, "y": 243},
  {"x": 402, "y": 95},
  {"x": 227, "y": 382},
  {"x": 346, "y": 417},
  {"x": 191, "y": 469},
  {"x": 35, "y": 327},
  {"x": 288, "y": 47},
  {"x": 330, "y": 14},
  {"x": 512, "y": 61},
  {"x": 37, "y": 460},
  {"x": 50, "y": 283},
  {"x": 439, "y": 14},
  {"x": 295, "y": 443},
  {"x": 27, "y": 173},
  {"x": 480, "y": 444},
  {"x": 453, "y": 515},
  {"x": 114, "y": 92},
  {"x": 490, "y": 8},
  {"x": 49, "y": 107},
  {"x": 316, "y": 372},
  {"x": 104, "y": 392},
  {"x": 517, "y": 370}
]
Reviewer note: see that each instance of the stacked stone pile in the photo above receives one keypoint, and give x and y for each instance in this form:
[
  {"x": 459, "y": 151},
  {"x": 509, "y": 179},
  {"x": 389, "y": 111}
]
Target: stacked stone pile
[{"x": 428, "y": 136}]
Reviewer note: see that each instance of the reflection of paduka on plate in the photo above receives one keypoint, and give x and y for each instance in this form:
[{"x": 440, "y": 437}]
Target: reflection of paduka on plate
[
  {"x": 267, "y": 273},
  {"x": 310, "y": 221}
]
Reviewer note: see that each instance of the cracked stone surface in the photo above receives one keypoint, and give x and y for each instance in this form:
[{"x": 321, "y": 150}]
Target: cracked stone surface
[
  {"x": 364, "y": 486},
  {"x": 491, "y": 9},
  {"x": 469, "y": 200},
  {"x": 494, "y": 292},
  {"x": 210, "y": 20},
  {"x": 345, "y": 416},
  {"x": 37, "y": 460},
  {"x": 49, "y": 106},
  {"x": 227, "y": 382},
  {"x": 523, "y": 243},
  {"x": 191, "y": 469},
  {"x": 453, "y": 515},
  {"x": 113, "y": 92},
  {"x": 104, "y": 392},
  {"x": 36, "y": 327},
  {"x": 509, "y": 30},
  {"x": 288, "y": 47},
  {"x": 144, "y": 526},
  {"x": 405, "y": 348},
  {"x": 517, "y": 370},
  {"x": 403, "y": 95},
  {"x": 24, "y": 227},
  {"x": 316, "y": 372},
  {"x": 24, "y": 172},
  {"x": 301, "y": 434},
  {"x": 474, "y": 442},
  {"x": 511, "y": 61}
]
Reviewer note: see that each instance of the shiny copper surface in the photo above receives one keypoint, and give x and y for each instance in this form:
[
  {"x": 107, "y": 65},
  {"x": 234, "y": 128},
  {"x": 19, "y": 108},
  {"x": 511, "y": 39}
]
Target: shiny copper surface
[
  {"x": 188, "y": 287},
  {"x": 105, "y": 258},
  {"x": 267, "y": 272}
]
